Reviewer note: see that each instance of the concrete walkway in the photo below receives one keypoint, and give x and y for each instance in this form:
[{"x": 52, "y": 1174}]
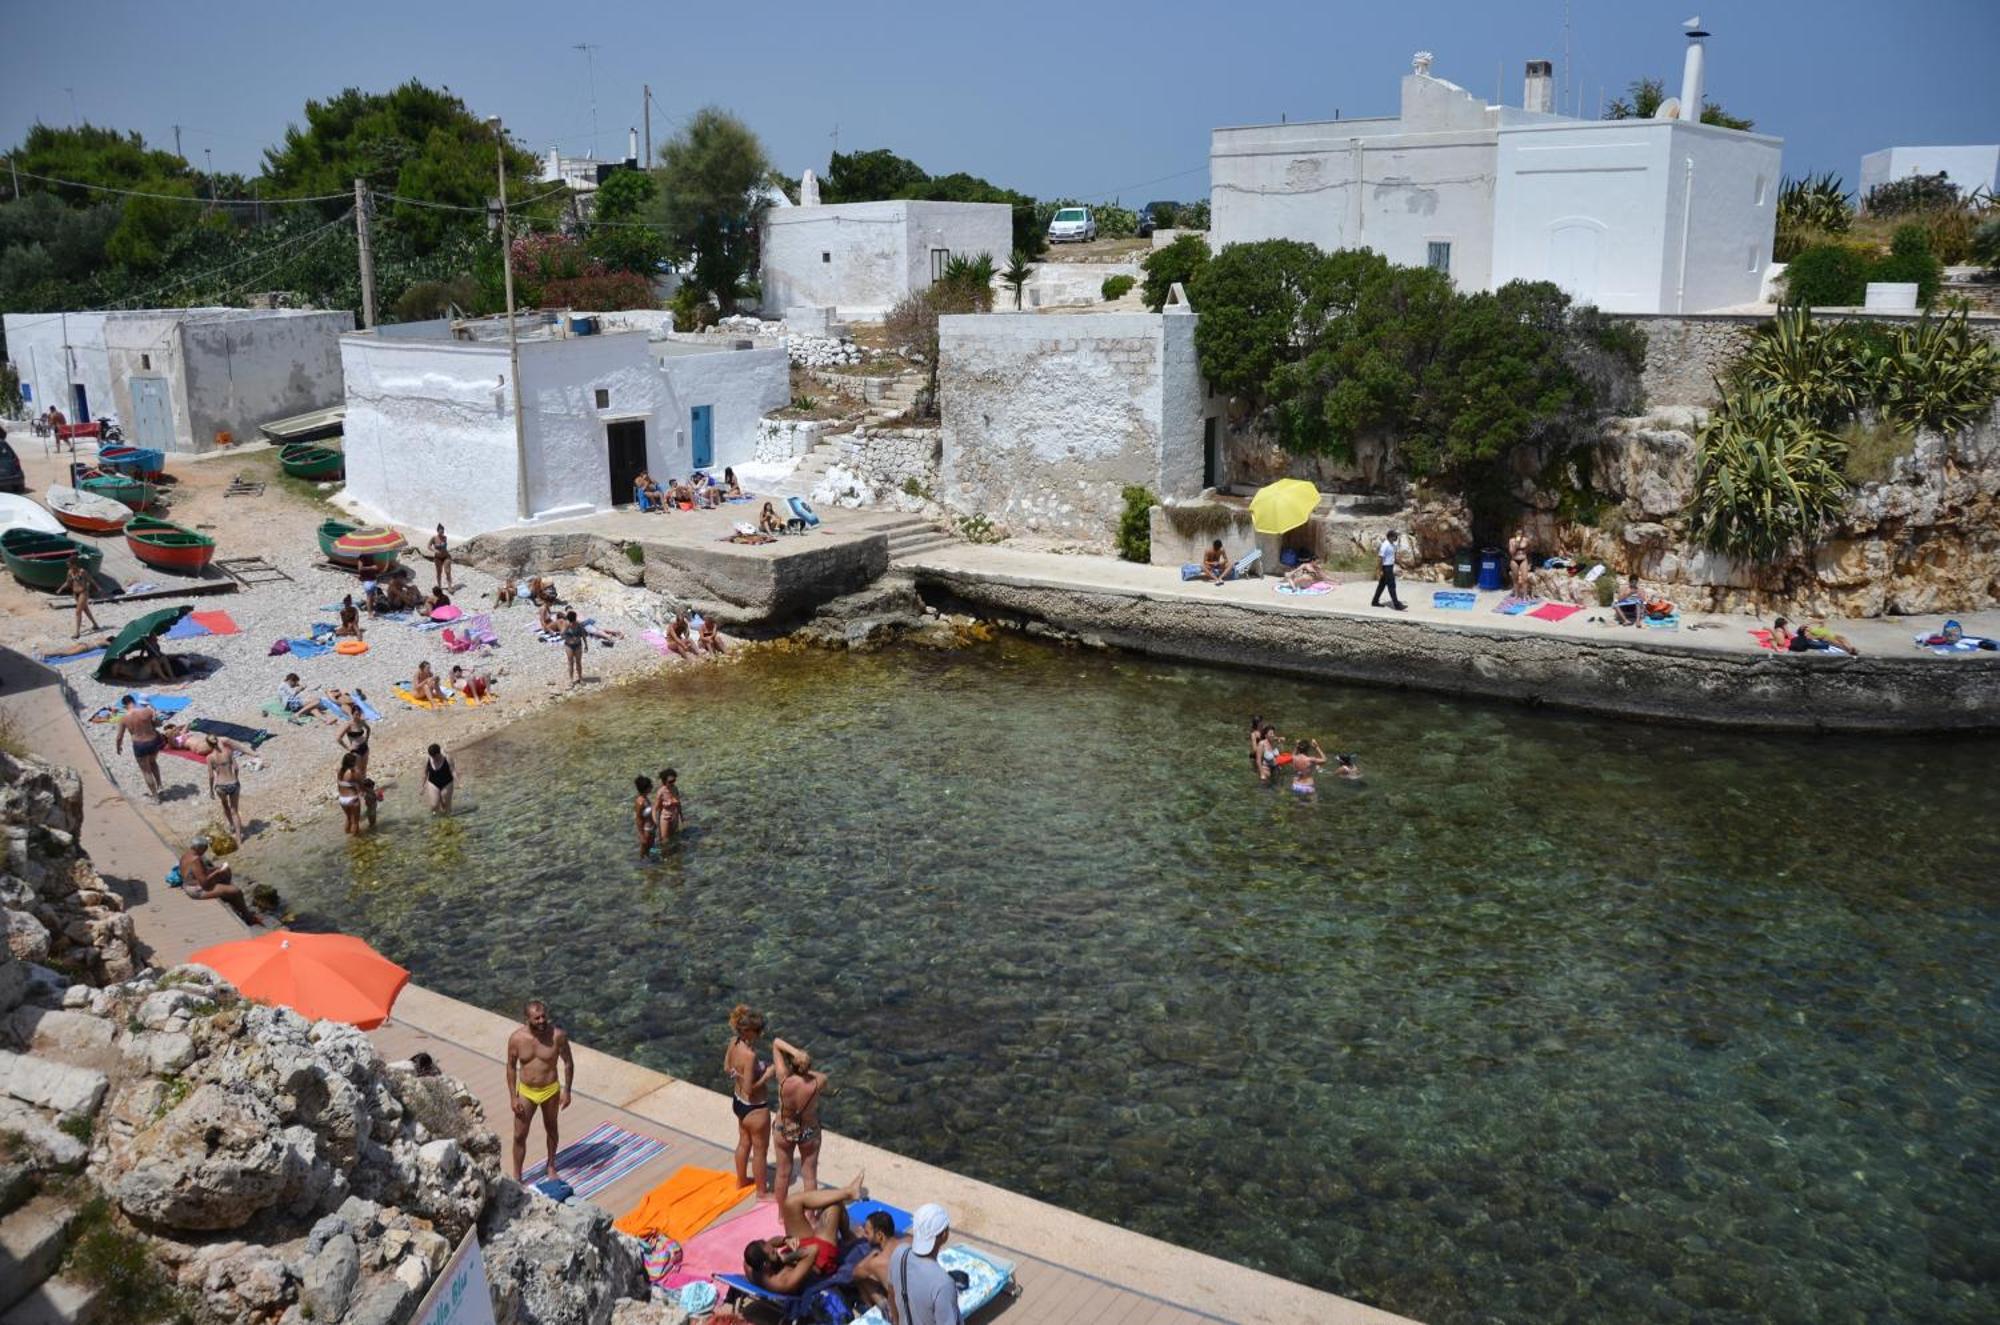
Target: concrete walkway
[{"x": 1071, "y": 1270}]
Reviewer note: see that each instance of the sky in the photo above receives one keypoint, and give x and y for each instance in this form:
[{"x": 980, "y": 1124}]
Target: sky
[{"x": 1090, "y": 100}]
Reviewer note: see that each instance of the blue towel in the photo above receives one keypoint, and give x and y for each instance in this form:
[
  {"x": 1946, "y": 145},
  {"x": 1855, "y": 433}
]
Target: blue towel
[
  {"x": 1662, "y": 623},
  {"x": 186, "y": 628},
  {"x": 1456, "y": 600},
  {"x": 305, "y": 648},
  {"x": 165, "y": 703},
  {"x": 72, "y": 657}
]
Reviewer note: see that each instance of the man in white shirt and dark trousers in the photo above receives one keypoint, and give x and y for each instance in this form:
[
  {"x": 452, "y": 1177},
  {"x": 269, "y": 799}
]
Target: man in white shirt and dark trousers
[
  {"x": 1387, "y": 579},
  {"x": 922, "y": 1291}
]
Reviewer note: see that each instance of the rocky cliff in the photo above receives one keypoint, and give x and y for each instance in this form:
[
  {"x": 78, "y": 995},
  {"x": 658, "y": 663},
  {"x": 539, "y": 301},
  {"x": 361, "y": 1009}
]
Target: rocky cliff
[{"x": 58, "y": 913}]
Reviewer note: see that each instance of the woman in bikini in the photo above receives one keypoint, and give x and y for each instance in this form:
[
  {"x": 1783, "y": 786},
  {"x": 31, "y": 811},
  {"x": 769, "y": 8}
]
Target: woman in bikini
[
  {"x": 816, "y": 1228},
  {"x": 799, "y": 1092},
  {"x": 225, "y": 783},
  {"x": 749, "y": 1076},
  {"x": 1517, "y": 548},
  {"x": 350, "y": 618},
  {"x": 1306, "y": 759},
  {"x": 709, "y": 640},
  {"x": 667, "y": 807},
  {"x": 440, "y": 779},
  {"x": 426, "y": 686},
  {"x": 731, "y": 487},
  {"x": 642, "y": 813},
  {"x": 347, "y": 786},
  {"x": 354, "y": 739},
  {"x": 768, "y": 521}
]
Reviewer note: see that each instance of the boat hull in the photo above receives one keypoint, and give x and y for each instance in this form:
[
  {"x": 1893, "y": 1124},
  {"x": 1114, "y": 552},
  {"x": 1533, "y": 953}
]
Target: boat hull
[
  {"x": 169, "y": 547},
  {"x": 41, "y": 561},
  {"x": 86, "y": 513},
  {"x": 139, "y": 462},
  {"x": 312, "y": 462},
  {"x": 131, "y": 492}
]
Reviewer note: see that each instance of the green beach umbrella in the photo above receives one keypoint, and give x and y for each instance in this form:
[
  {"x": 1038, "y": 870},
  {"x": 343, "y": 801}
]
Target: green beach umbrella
[{"x": 137, "y": 632}]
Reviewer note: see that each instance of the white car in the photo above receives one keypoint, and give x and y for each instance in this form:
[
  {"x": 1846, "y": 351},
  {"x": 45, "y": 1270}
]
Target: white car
[{"x": 1072, "y": 224}]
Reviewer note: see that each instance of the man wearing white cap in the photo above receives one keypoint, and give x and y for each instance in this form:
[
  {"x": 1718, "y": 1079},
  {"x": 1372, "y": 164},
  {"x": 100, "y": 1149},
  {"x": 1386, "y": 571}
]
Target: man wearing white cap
[{"x": 923, "y": 1292}]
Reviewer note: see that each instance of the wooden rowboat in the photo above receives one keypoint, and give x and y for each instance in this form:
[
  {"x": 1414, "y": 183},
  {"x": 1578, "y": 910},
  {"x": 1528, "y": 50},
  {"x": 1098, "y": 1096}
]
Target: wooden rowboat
[
  {"x": 135, "y": 493},
  {"x": 375, "y": 547},
  {"x": 18, "y": 512},
  {"x": 312, "y": 462},
  {"x": 166, "y": 546},
  {"x": 330, "y": 530},
  {"x": 139, "y": 462},
  {"x": 41, "y": 561},
  {"x": 87, "y": 512}
]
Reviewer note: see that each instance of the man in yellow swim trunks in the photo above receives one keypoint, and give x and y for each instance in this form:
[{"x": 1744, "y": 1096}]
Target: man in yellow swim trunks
[{"x": 533, "y": 1052}]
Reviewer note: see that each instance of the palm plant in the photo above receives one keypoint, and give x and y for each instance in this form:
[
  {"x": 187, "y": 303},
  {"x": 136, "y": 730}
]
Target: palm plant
[
  {"x": 1813, "y": 369},
  {"x": 1016, "y": 275},
  {"x": 1766, "y": 480},
  {"x": 1810, "y": 208},
  {"x": 1936, "y": 375},
  {"x": 969, "y": 279}
]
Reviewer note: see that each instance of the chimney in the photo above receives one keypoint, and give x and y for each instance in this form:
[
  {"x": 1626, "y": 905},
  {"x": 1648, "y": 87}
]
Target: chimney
[
  {"x": 1539, "y": 94},
  {"x": 1691, "y": 89},
  {"x": 632, "y": 146}
]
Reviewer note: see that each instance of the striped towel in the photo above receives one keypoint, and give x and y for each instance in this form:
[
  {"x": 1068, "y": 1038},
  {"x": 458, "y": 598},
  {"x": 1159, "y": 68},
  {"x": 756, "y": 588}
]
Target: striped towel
[{"x": 606, "y": 1154}]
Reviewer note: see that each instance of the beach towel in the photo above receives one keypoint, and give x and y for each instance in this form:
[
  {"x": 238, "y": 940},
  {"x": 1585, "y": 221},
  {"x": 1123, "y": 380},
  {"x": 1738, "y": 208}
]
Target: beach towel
[
  {"x": 657, "y": 639},
  {"x": 1555, "y": 611},
  {"x": 250, "y": 736},
  {"x": 419, "y": 624},
  {"x": 1662, "y": 623},
  {"x": 719, "y": 1250},
  {"x": 605, "y": 1154},
  {"x": 480, "y": 630},
  {"x": 410, "y": 698},
  {"x": 1190, "y": 571},
  {"x": 178, "y": 753},
  {"x": 986, "y": 1277},
  {"x": 1455, "y": 600},
  {"x": 1511, "y": 606},
  {"x": 686, "y": 1203},
  {"x": 217, "y": 622},
  {"x": 367, "y": 710},
  {"x": 186, "y": 628},
  {"x": 305, "y": 648},
  {"x": 1291, "y": 590},
  {"x": 166, "y": 705},
  {"x": 276, "y": 710},
  {"x": 1765, "y": 640},
  {"x": 58, "y": 659},
  {"x": 556, "y": 1190}
]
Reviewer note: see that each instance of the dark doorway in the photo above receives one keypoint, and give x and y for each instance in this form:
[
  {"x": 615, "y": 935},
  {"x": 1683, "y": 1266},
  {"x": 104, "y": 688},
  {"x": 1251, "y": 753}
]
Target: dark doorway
[
  {"x": 1211, "y": 460},
  {"x": 626, "y": 442},
  {"x": 82, "y": 403}
]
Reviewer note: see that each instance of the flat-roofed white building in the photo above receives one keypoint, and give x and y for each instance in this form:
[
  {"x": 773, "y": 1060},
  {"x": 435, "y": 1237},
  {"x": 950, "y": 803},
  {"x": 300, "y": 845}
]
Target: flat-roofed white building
[
  {"x": 861, "y": 259},
  {"x": 1639, "y": 215},
  {"x": 1969, "y": 167}
]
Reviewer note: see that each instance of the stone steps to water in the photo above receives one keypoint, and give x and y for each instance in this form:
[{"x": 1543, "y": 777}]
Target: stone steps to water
[
  {"x": 61, "y": 1302},
  {"x": 32, "y": 1242}
]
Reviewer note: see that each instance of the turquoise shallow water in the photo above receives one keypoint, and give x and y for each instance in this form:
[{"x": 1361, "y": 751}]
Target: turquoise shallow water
[{"x": 1548, "y": 1019}]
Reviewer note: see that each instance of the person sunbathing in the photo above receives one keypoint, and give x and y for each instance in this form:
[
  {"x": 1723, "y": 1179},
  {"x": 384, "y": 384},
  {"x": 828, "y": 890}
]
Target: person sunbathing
[
  {"x": 475, "y": 686},
  {"x": 547, "y": 620},
  {"x": 1659, "y": 609},
  {"x": 1781, "y": 635},
  {"x": 426, "y": 685},
  {"x": 682, "y": 495},
  {"x": 1305, "y": 575},
  {"x": 650, "y": 490},
  {"x": 679, "y": 640},
  {"x": 505, "y": 595},
  {"x": 816, "y": 1229},
  {"x": 1215, "y": 563},
  {"x": 542, "y": 591},
  {"x": 768, "y": 521},
  {"x": 709, "y": 639},
  {"x": 437, "y": 599},
  {"x": 293, "y": 697},
  {"x": 1820, "y": 638},
  {"x": 731, "y": 488}
]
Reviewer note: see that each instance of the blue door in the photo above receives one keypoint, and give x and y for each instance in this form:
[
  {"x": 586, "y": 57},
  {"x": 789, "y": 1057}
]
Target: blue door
[
  {"x": 704, "y": 436},
  {"x": 82, "y": 403}
]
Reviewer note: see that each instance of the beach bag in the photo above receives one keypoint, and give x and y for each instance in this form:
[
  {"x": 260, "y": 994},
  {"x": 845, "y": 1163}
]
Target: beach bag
[
  {"x": 663, "y": 1258},
  {"x": 174, "y": 877},
  {"x": 282, "y": 646},
  {"x": 1190, "y": 571},
  {"x": 826, "y": 1306}
]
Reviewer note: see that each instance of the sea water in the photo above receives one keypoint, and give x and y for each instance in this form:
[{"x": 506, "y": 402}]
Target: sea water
[{"x": 1545, "y": 1019}]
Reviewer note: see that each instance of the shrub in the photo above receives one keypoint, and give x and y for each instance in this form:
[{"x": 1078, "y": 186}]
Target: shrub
[
  {"x": 1986, "y": 245},
  {"x": 1135, "y": 524},
  {"x": 1873, "y": 450},
  {"x": 1815, "y": 369},
  {"x": 1827, "y": 276},
  {"x": 600, "y": 291},
  {"x": 130, "y": 1281},
  {"x": 1607, "y": 589},
  {"x": 1766, "y": 480},
  {"x": 1810, "y": 208},
  {"x": 1180, "y": 261},
  {"x": 1915, "y": 193},
  {"x": 1937, "y": 375},
  {"x": 1910, "y": 260},
  {"x": 1114, "y": 287},
  {"x": 1114, "y": 221},
  {"x": 692, "y": 309}
]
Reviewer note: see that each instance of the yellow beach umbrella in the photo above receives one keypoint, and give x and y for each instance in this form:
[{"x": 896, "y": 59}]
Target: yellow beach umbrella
[{"x": 1283, "y": 506}]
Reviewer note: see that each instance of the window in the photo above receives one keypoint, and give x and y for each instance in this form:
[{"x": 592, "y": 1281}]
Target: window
[
  {"x": 146, "y": 363},
  {"x": 825, "y": 256},
  {"x": 939, "y": 257},
  {"x": 1438, "y": 256},
  {"x": 603, "y": 398}
]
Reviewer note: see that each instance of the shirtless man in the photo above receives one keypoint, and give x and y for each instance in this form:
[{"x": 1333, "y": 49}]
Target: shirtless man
[
  {"x": 139, "y": 722},
  {"x": 203, "y": 880},
  {"x": 709, "y": 640},
  {"x": 79, "y": 588},
  {"x": 225, "y": 780},
  {"x": 679, "y": 641},
  {"x": 1215, "y": 563},
  {"x": 533, "y": 1053}
]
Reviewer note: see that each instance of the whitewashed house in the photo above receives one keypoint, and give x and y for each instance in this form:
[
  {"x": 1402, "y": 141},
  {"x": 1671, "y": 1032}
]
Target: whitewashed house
[
  {"x": 430, "y": 430},
  {"x": 1969, "y": 167},
  {"x": 861, "y": 259},
  {"x": 1638, "y": 216},
  {"x": 184, "y": 380}
]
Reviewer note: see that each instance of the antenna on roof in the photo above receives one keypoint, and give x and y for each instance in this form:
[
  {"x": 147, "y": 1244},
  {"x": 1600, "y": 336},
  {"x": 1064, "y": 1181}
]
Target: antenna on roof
[{"x": 590, "y": 70}]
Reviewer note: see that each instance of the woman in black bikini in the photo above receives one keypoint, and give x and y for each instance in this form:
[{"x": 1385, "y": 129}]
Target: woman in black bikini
[
  {"x": 354, "y": 740},
  {"x": 1517, "y": 548},
  {"x": 799, "y": 1091},
  {"x": 749, "y": 1075},
  {"x": 439, "y": 780},
  {"x": 642, "y": 813}
]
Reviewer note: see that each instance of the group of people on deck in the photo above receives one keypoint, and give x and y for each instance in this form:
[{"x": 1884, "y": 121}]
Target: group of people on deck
[{"x": 700, "y": 491}]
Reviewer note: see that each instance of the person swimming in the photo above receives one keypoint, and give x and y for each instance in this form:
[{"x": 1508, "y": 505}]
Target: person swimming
[{"x": 1306, "y": 759}]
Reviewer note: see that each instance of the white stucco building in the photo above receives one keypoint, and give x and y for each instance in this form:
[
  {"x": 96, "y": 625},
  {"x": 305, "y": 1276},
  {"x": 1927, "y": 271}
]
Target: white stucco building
[
  {"x": 1968, "y": 167},
  {"x": 430, "y": 432},
  {"x": 1638, "y": 216},
  {"x": 184, "y": 380},
  {"x": 863, "y": 258}
]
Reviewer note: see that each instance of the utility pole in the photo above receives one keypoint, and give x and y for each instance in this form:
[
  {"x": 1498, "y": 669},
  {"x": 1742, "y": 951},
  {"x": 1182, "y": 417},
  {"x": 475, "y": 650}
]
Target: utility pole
[
  {"x": 177, "y": 142},
  {"x": 15, "y": 171},
  {"x": 513, "y": 339},
  {"x": 647, "y": 164},
  {"x": 590, "y": 70},
  {"x": 367, "y": 258},
  {"x": 208, "y": 154}
]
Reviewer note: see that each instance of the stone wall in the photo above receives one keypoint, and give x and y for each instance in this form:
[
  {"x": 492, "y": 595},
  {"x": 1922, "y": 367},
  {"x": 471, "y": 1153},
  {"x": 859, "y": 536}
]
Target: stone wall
[
  {"x": 1687, "y": 352},
  {"x": 57, "y": 912},
  {"x": 780, "y": 440},
  {"x": 892, "y": 467}
]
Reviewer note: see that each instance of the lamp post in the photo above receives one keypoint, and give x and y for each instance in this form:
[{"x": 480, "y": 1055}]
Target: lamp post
[{"x": 513, "y": 340}]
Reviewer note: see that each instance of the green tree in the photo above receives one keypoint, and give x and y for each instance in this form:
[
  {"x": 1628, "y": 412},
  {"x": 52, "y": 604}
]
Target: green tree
[
  {"x": 416, "y": 141},
  {"x": 869, "y": 176},
  {"x": 1252, "y": 299},
  {"x": 1017, "y": 274},
  {"x": 1178, "y": 263},
  {"x": 622, "y": 235},
  {"x": 1644, "y": 96},
  {"x": 711, "y": 201}
]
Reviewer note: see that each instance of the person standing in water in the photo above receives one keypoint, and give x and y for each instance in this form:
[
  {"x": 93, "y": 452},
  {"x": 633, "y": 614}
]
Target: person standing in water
[
  {"x": 77, "y": 584},
  {"x": 440, "y": 779},
  {"x": 534, "y": 1051},
  {"x": 642, "y": 813},
  {"x": 667, "y": 818},
  {"x": 749, "y": 1080},
  {"x": 1306, "y": 759}
]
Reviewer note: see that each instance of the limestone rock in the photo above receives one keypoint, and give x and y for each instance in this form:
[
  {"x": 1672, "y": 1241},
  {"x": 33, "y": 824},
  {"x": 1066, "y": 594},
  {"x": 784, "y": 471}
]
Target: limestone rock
[
  {"x": 58, "y": 1032},
  {"x": 329, "y": 1278},
  {"x": 214, "y": 1162},
  {"x": 27, "y": 937},
  {"x": 48, "y": 1084},
  {"x": 553, "y": 1264},
  {"x": 633, "y": 1312}
]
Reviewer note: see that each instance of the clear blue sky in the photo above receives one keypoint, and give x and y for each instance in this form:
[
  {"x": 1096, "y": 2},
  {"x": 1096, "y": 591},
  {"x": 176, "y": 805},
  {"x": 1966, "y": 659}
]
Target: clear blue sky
[{"x": 1087, "y": 99}]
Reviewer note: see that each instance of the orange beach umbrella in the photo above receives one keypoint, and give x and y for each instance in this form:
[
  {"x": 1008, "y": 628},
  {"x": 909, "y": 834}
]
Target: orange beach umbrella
[
  {"x": 332, "y": 976},
  {"x": 373, "y": 543}
]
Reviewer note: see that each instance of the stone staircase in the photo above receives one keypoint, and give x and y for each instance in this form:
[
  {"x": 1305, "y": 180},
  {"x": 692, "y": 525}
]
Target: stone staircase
[
  {"x": 911, "y": 535},
  {"x": 34, "y": 1237},
  {"x": 894, "y": 399},
  {"x": 811, "y": 468}
]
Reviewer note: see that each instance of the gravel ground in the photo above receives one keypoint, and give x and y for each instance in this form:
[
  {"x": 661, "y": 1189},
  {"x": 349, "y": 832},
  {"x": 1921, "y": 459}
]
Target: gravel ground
[{"x": 292, "y": 776}]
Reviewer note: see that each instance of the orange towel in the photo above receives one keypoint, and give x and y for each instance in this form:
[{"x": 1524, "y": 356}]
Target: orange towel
[{"x": 683, "y": 1205}]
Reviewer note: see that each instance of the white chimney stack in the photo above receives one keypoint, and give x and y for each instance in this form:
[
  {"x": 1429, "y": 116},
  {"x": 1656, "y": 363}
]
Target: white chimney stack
[
  {"x": 1691, "y": 72},
  {"x": 631, "y": 144},
  {"x": 1539, "y": 92}
]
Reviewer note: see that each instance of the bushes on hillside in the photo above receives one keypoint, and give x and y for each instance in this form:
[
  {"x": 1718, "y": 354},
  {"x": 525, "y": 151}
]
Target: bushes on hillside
[
  {"x": 1114, "y": 287},
  {"x": 1834, "y": 275},
  {"x": 1180, "y": 261}
]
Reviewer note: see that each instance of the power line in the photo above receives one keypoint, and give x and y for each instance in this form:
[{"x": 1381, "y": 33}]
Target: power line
[
  {"x": 457, "y": 207},
  {"x": 175, "y": 197},
  {"x": 1108, "y": 193}
]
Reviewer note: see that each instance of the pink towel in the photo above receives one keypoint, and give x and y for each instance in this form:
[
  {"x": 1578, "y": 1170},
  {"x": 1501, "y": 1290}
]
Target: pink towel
[
  {"x": 449, "y": 612},
  {"x": 657, "y": 640},
  {"x": 1555, "y": 611},
  {"x": 719, "y": 1250}
]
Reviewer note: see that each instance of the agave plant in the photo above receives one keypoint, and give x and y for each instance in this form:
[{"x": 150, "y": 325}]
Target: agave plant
[
  {"x": 1766, "y": 480},
  {"x": 1810, "y": 209},
  {"x": 1814, "y": 369},
  {"x": 1936, "y": 375}
]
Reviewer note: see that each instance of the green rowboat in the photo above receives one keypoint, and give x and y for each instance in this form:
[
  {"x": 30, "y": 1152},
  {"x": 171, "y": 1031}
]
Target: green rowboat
[
  {"x": 312, "y": 462},
  {"x": 41, "y": 561},
  {"x": 166, "y": 546},
  {"x": 133, "y": 492}
]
